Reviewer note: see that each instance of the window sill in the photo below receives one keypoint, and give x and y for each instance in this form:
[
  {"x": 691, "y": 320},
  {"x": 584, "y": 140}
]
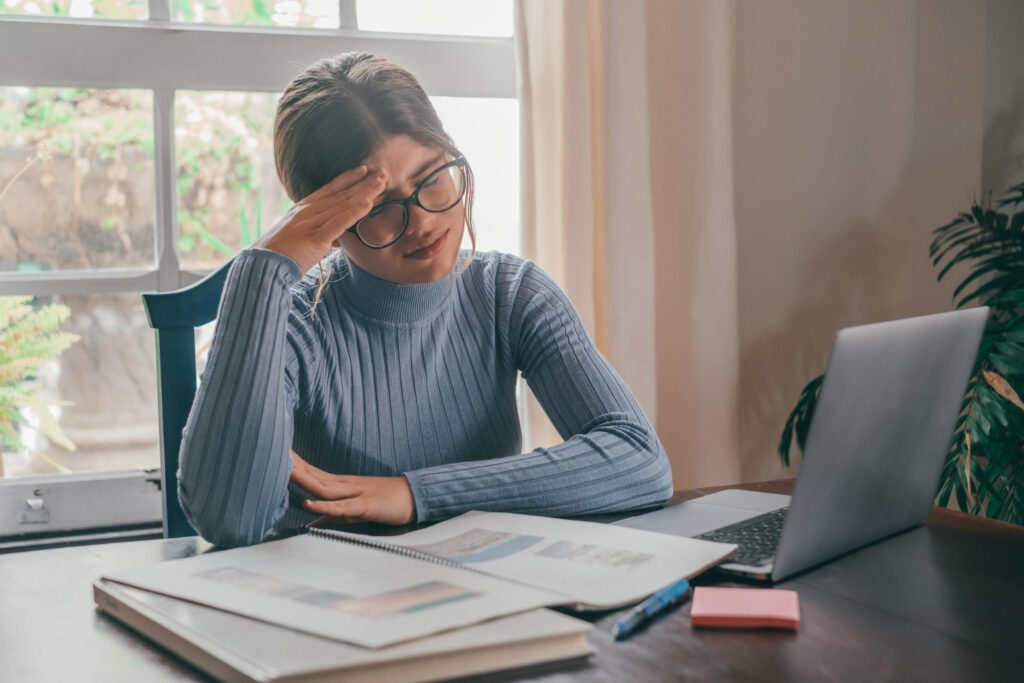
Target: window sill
[
  {"x": 58, "y": 539},
  {"x": 86, "y": 502}
]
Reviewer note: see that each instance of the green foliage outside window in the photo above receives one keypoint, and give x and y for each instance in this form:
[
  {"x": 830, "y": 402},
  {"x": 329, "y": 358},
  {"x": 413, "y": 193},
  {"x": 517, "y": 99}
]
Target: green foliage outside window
[
  {"x": 28, "y": 339},
  {"x": 210, "y": 158}
]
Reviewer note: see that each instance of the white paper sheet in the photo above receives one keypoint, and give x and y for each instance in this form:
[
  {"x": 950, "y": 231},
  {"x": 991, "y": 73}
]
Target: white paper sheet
[
  {"x": 592, "y": 565},
  {"x": 337, "y": 590}
]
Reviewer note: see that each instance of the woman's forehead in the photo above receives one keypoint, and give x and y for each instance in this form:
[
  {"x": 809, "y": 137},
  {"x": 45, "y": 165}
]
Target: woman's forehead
[{"x": 404, "y": 158}]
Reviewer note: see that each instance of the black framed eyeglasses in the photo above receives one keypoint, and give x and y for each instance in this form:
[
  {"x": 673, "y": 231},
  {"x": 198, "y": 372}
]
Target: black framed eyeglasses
[{"x": 439, "y": 192}]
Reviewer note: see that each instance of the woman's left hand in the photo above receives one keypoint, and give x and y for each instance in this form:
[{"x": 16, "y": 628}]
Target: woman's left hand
[{"x": 349, "y": 498}]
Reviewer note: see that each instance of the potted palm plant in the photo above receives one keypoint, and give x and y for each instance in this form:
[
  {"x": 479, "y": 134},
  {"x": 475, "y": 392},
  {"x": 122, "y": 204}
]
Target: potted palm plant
[
  {"x": 28, "y": 339},
  {"x": 984, "y": 468}
]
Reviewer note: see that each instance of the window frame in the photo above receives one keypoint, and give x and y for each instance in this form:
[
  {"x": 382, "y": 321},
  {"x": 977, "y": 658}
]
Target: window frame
[{"x": 165, "y": 56}]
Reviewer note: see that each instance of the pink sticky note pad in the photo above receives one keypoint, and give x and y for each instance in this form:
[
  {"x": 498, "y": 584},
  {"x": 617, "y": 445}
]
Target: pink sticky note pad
[{"x": 745, "y": 608}]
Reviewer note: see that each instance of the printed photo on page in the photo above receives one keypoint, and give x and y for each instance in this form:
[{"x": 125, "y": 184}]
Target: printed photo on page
[
  {"x": 337, "y": 590},
  {"x": 590, "y": 564}
]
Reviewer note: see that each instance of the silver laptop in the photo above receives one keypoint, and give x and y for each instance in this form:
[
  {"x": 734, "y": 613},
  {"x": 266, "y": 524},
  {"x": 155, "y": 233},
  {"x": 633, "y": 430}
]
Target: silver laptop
[{"x": 877, "y": 442}]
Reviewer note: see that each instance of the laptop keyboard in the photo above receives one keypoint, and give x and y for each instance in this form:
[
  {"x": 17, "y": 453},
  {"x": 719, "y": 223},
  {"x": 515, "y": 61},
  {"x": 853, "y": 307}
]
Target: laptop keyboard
[{"x": 757, "y": 537}]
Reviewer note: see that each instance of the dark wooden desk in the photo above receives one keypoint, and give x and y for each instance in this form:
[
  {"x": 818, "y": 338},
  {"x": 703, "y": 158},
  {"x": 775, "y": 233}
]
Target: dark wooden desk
[{"x": 944, "y": 602}]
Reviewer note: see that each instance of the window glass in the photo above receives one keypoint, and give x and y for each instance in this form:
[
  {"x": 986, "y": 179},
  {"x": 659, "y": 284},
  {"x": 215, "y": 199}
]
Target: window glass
[
  {"x": 228, "y": 190},
  {"x": 486, "y": 131},
  {"x": 204, "y": 339},
  {"x": 456, "y": 17},
  {"x": 292, "y": 13},
  {"x": 100, "y": 391},
  {"x": 82, "y": 9},
  {"x": 76, "y": 179}
]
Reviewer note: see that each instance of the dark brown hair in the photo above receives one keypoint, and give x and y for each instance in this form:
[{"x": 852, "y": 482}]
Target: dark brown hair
[{"x": 338, "y": 111}]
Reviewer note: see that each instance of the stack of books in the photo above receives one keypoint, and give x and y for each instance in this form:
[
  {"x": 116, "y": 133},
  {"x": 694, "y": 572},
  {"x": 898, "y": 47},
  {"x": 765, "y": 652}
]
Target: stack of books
[{"x": 465, "y": 596}]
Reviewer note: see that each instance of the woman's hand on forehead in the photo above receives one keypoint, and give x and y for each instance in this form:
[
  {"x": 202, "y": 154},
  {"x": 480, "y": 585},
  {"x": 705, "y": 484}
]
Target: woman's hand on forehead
[
  {"x": 312, "y": 225},
  {"x": 417, "y": 170}
]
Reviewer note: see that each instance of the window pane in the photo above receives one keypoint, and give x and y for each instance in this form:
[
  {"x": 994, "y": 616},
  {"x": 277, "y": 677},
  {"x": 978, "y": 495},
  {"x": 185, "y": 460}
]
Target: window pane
[
  {"x": 456, "y": 17},
  {"x": 228, "y": 190},
  {"x": 204, "y": 340},
  {"x": 307, "y": 14},
  {"x": 108, "y": 379},
  {"x": 76, "y": 179},
  {"x": 486, "y": 131},
  {"x": 96, "y": 9}
]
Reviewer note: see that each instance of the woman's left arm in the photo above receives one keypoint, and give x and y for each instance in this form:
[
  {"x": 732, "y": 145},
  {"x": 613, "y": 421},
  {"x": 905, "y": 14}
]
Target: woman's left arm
[{"x": 611, "y": 459}]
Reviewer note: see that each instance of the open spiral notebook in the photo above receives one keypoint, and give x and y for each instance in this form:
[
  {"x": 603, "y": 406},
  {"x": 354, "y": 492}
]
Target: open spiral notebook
[{"x": 377, "y": 591}]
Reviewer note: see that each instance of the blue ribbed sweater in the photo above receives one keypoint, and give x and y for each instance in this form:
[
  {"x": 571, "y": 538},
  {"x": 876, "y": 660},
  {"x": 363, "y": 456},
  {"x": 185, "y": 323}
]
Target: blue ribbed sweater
[{"x": 415, "y": 380}]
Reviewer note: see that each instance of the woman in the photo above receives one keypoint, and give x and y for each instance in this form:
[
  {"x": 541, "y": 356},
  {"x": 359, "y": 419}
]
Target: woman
[{"x": 382, "y": 383}]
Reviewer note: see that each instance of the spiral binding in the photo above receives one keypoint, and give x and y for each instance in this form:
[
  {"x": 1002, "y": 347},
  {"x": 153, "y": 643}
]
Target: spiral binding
[
  {"x": 334, "y": 535},
  {"x": 389, "y": 547}
]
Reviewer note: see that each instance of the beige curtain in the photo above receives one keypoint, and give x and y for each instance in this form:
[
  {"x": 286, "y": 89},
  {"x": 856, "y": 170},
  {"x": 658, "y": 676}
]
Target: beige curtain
[{"x": 627, "y": 201}]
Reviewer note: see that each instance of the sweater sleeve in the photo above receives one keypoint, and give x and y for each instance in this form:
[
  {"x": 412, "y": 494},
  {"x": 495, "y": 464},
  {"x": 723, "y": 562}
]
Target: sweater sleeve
[
  {"x": 234, "y": 460},
  {"x": 611, "y": 459}
]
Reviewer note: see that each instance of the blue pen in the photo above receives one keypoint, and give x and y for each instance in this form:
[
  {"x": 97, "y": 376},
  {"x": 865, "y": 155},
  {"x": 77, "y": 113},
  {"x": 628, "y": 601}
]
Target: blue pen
[{"x": 657, "y": 603}]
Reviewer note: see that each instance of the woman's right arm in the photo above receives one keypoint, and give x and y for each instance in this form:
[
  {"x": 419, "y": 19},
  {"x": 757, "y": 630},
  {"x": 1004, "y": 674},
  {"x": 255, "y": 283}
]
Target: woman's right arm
[
  {"x": 234, "y": 464},
  {"x": 235, "y": 451}
]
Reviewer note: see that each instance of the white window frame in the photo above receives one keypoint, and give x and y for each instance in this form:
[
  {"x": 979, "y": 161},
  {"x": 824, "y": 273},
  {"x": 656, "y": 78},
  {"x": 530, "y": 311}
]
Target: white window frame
[{"x": 165, "y": 56}]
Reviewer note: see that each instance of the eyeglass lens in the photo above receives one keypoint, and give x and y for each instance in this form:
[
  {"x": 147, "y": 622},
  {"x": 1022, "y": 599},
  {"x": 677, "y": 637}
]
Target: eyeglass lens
[{"x": 440, "y": 191}]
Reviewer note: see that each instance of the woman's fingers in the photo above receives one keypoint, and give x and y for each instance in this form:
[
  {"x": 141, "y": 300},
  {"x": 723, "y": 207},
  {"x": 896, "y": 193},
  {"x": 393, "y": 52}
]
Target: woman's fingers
[
  {"x": 354, "y": 509},
  {"x": 317, "y": 487},
  {"x": 307, "y": 230},
  {"x": 324, "y": 488},
  {"x": 339, "y": 182},
  {"x": 299, "y": 463},
  {"x": 335, "y": 214},
  {"x": 362, "y": 191},
  {"x": 387, "y": 500}
]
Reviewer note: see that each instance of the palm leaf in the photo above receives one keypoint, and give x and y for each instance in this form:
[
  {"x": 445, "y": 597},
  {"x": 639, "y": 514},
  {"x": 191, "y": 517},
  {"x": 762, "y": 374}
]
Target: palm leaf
[
  {"x": 799, "y": 421},
  {"x": 48, "y": 425},
  {"x": 28, "y": 339}
]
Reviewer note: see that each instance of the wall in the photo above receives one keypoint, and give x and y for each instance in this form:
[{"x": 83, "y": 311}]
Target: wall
[
  {"x": 694, "y": 259},
  {"x": 1003, "y": 157},
  {"x": 857, "y": 129}
]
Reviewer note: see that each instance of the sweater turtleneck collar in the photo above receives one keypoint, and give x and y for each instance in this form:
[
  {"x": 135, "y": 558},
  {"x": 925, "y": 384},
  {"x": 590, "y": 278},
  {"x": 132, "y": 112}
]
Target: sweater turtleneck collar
[{"x": 387, "y": 301}]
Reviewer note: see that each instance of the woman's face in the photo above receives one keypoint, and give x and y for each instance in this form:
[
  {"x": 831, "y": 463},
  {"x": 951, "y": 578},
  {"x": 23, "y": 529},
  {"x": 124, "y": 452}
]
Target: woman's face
[{"x": 430, "y": 246}]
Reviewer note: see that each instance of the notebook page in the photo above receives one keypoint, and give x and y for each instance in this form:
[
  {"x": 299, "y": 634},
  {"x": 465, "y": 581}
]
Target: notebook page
[
  {"x": 595, "y": 566},
  {"x": 337, "y": 590}
]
